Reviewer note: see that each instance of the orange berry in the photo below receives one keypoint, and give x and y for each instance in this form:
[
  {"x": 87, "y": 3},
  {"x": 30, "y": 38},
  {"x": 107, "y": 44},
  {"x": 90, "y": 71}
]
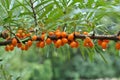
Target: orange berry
[
  {"x": 37, "y": 44},
  {"x": 73, "y": 44},
  {"x": 85, "y": 33},
  {"x": 58, "y": 34},
  {"x": 14, "y": 41},
  {"x": 51, "y": 33},
  {"x": 104, "y": 45},
  {"x": 63, "y": 34},
  {"x": 29, "y": 43},
  {"x": 58, "y": 42},
  {"x": 19, "y": 45},
  {"x": 42, "y": 44},
  {"x": 48, "y": 41},
  {"x": 11, "y": 47},
  {"x": 91, "y": 44},
  {"x": 105, "y": 40},
  {"x": 26, "y": 47},
  {"x": 88, "y": 42},
  {"x": 23, "y": 47},
  {"x": 34, "y": 38},
  {"x": 7, "y": 48},
  {"x": 42, "y": 36},
  {"x": 117, "y": 45},
  {"x": 64, "y": 40},
  {"x": 100, "y": 42},
  {"x": 23, "y": 35},
  {"x": 18, "y": 35},
  {"x": 71, "y": 37}
]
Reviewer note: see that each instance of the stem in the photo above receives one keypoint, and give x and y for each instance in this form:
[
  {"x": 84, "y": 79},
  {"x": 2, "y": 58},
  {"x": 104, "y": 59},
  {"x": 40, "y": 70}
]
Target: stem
[
  {"x": 34, "y": 13},
  {"x": 80, "y": 36}
]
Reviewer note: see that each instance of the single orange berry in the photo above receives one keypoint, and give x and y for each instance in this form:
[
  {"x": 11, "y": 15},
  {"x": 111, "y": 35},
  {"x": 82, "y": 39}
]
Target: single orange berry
[
  {"x": 7, "y": 48},
  {"x": 71, "y": 37},
  {"x": 51, "y": 33},
  {"x": 105, "y": 40},
  {"x": 23, "y": 35},
  {"x": 42, "y": 36},
  {"x": 23, "y": 47},
  {"x": 63, "y": 34},
  {"x": 19, "y": 45},
  {"x": 58, "y": 42},
  {"x": 48, "y": 41},
  {"x": 58, "y": 34},
  {"x": 18, "y": 35},
  {"x": 117, "y": 45},
  {"x": 85, "y": 33},
  {"x": 14, "y": 41},
  {"x": 104, "y": 45},
  {"x": 42, "y": 44},
  {"x": 29, "y": 43},
  {"x": 26, "y": 47},
  {"x": 34, "y": 38},
  {"x": 100, "y": 42},
  {"x": 11, "y": 47},
  {"x": 64, "y": 40},
  {"x": 73, "y": 44}
]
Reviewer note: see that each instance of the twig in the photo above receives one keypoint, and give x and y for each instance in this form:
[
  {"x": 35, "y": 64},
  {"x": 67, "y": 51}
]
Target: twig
[
  {"x": 34, "y": 13},
  {"x": 80, "y": 36}
]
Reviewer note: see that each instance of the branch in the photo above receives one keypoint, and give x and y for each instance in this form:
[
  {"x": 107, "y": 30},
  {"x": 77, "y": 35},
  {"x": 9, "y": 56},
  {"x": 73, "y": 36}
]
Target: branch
[
  {"x": 80, "y": 36},
  {"x": 34, "y": 13}
]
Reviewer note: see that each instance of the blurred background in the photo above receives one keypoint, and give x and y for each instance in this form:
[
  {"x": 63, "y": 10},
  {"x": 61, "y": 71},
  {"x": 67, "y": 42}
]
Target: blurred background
[
  {"x": 58, "y": 64},
  {"x": 64, "y": 63}
]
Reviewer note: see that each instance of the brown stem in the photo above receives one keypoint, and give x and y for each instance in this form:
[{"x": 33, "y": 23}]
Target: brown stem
[
  {"x": 34, "y": 13},
  {"x": 80, "y": 36}
]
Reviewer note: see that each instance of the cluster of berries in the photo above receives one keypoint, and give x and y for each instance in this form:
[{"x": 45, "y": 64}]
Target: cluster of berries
[{"x": 58, "y": 38}]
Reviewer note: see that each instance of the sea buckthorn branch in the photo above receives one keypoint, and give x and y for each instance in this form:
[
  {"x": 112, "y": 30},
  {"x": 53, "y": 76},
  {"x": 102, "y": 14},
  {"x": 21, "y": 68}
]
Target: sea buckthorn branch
[
  {"x": 80, "y": 36},
  {"x": 34, "y": 13},
  {"x": 58, "y": 38},
  {"x": 101, "y": 37}
]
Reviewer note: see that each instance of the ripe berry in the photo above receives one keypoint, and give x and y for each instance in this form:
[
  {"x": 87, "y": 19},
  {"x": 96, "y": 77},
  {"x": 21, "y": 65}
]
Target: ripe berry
[
  {"x": 34, "y": 38},
  {"x": 63, "y": 34},
  {"x": 11, "y": 47},
  {"x": 23, "y": 47},
  {"x": 88, "y": 42},
  {"x": 51, "y": 33},
  {"x": 29, "y": 43},
  {"x": 58, "y": 43},
  {"x": 104, "y": 45},
  {"x": 58, "y": 34},
  {"x": 14, "y": 41},
  {"x": 100, "y": 42},
  {"x": 64, "y": 40},
  {"x": 85, "y": 33},
  {"x": 117, "y": 45},
  {"x": 73, "y": 44},
  {"x": 42, "y": 44},
  {"x": 19, "y": 45},
  {"x": 43, "y": 36},
  {"x": 7, "y": 48},
  {"x": 48, "y": 41},
  {"x": 71, "y": 37}
]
